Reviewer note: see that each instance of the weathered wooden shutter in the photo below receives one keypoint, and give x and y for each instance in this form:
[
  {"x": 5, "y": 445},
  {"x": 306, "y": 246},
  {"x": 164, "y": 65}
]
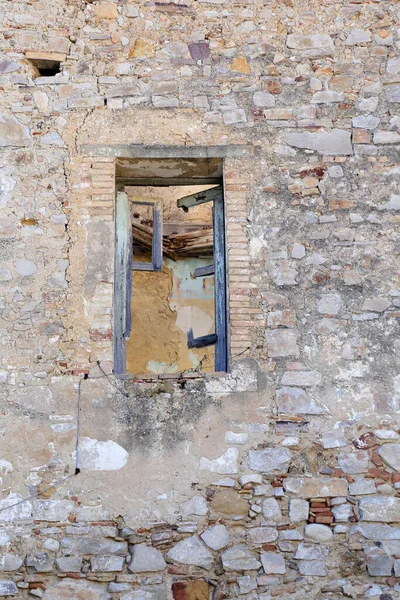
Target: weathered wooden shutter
[
  {"x": 219, "y": 338},
  {"x": 122, "y": 280}
]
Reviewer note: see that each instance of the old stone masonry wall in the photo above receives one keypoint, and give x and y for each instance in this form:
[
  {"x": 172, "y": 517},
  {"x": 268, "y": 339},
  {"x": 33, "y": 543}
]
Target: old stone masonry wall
[{"x": 281, "y": 478}]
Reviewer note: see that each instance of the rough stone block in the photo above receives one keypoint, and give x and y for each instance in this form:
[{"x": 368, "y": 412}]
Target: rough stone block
[
  {"x": 8, "y": 588},
  {"x": 273, "y": 563},
  {"x": 377, "y": 508},
  {"x": 216, "y": 537},
  {"x": 263, "y": 535},
  {"x": 13, "y": 132},
  {"x": 314, "y": 487},
  {"x": 292, "y": 400},
  {"x": 335, "y": 142},
  {"x": 281, "y": 343},
  {"x": 271, "y": 510},
  {"x": 379, "y": 565},
  {"x": 270, "y": 460},
  {"x": 312, "y": 568},
  {"x": 298, "y": 510},
  {"x": 191, "y": 551},
  {"x": 239, "y": 558}
]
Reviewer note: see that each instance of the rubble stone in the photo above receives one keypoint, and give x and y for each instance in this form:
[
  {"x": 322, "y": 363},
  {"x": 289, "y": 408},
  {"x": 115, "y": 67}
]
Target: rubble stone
[
  {"x": 145, "y": 558},
  {"x": 269, "y": 460},
  {"x": 191, "y": 551},
  {"x": 216, "y": 537},
  {"x": 239, "y": 558}
]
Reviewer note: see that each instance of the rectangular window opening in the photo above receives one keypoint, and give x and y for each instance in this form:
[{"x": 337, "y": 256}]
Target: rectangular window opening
[{"x": 170, "y": 278}]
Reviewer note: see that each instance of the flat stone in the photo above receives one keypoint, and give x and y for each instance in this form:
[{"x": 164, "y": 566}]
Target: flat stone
[
  {"x": 393, "y": 65},
  {"x": 363, "y": 487},
  {"x": 396, "y": 566},
  {"x": 41, "y": 562},
  {"x": 282, "y": 342},
  {"x": 354, "y": 462},
  {"x": 282, "y": 273},
  {"x": 273, "y": 563},
  {"x": 224, "y": 465},
  {"x": 298, "y": 251},
  {"x": 76, "y": 589},
  {"x": 330, "y": 304},
  {"x": 393, "y": 204},
  {"x": 107, "y": 564},
  {"x": 191, "y": 551},
  {"x": 12, "y": 132},
  {"x": 8, "y": 588},
  {"x": 301, "y": 378},
  {"x": 234, "y": 116},
  {"x": 306, "y": 551},
  {"x": 386, "y": 137},
  {"x": 195, "y": 506},
  {"x": 386, "y": 434},
  {"x": 376, "y": 304},
  {"x": 298, "y": 510},
  {"x": 318, "y": 532},
  {"x": 69, "y": 564},
  {"x": 357, "y": 36},
  {"x": 393, "y": 93},
  {"x": 292, "y": 400},
  {"x": 368, "y": 104},
  {"x": 365, "y": 122},
  {"x": 93, "y": 545},
  {"x": 314, "y": 487},
  {"x": 390, "y": 454},
  {"x": 25, "y": 267},
  {"x": 377, "y": 508},
  {"x": 270, "y": 460},
  {"x": 139, "y": 595},
  {"x": 376, "y": 532},
  {"x": 216, "y": 537},
  {"x": 52, "y": 138},
  {"x": 306, "y": 42},
  {"x": 263, "y": 535},
  {"x": 52, "y": 510},
  {"x": 271, "y": 510},
  {"x": 10, "y": 562},
  {"x": 326, "y": 97},
  {"x": 333, "y": 439},
  {"x": 335, "y": 142},
  {"x": 312, "y": 568},
  {"x": 239, "y": 558},
  {"x": 246, "y": 584},
  {"x": 8, "y": 66},
  {"x": 146, "y": 558},
  {"x": 263, "y": 99},
  {"x": 379, "y": 565},
  {"x": 342, "y": 513}
]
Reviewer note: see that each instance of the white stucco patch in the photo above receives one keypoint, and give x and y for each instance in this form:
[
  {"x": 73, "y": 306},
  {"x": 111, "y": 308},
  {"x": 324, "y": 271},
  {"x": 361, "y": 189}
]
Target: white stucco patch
[
  {"x": 195, "y": 318},
  {"x": 5, "y": 466},
  {"x": 224, "y": 465},
  {"x": 96, "y": 455}
]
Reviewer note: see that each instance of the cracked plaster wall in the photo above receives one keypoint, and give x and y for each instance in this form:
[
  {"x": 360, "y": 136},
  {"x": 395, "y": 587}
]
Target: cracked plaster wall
[{"x": 305, "y": 431}]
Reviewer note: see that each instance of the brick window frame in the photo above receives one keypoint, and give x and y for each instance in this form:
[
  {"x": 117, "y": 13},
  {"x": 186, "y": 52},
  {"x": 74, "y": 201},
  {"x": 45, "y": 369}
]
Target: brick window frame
[{"x": 94, "y": 194}]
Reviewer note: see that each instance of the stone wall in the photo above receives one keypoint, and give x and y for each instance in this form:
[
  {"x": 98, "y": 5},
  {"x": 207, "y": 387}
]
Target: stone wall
[{"x": 279, "y": 479}]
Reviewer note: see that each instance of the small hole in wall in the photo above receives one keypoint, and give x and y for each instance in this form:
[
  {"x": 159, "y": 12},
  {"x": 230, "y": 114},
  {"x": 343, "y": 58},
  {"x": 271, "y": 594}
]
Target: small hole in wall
[{"x": 46, "y": 68}]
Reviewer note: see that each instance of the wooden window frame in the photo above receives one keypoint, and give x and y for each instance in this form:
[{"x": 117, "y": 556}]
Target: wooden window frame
[
  {"x": 157, "y": 241},
  {"x": 123, "y": 276}
]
